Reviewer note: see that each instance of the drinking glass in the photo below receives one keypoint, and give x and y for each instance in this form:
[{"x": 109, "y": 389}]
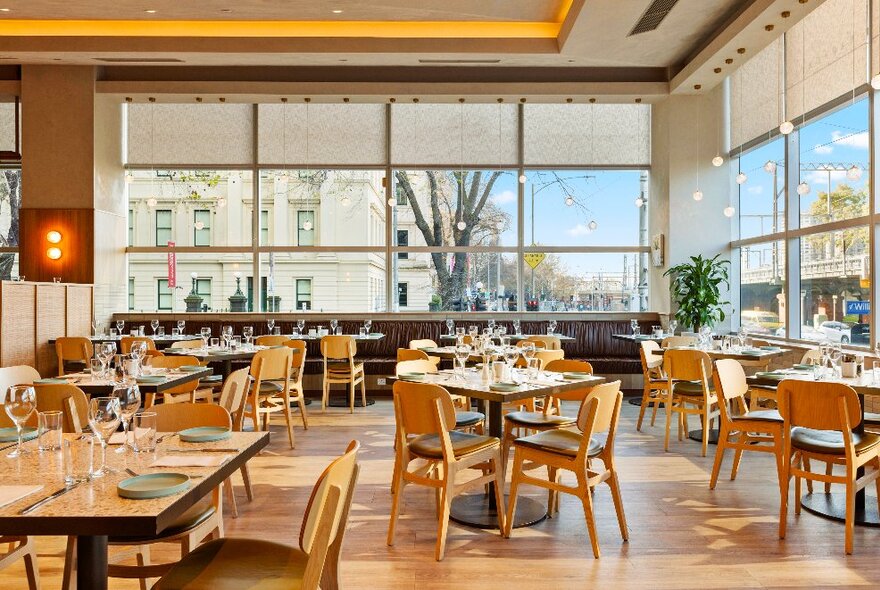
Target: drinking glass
[
  {"x": 300, "y": 325},
  {"x": 104, "y": 420},
  {"x": 462, "y": 353},
  {"x": 120, "y": 324},
  {"x": 49, "y": 430},
  {"x": 181, "y": 327},
  {"x": 270, "y": 323},
  {"x": 161, "y": 331},
  {"x": 551, "y": 327},
  {"x": 96, "y": 368},
  {"x": 473, "y": 330},
  {"x": 333, "y": 324},
  {"x": 450, "y": 326},
  {"x": 657, "y": 331},
  {"x": 368, "y": 324},
  {"x": 175, "y": 331},
  {"x": 78, "y": 453},
  {"x": 517, "y": 327},
  {"x": 236, "y": 342},
  {"x": 226, "y": 332},
  {"x": 113, "y": 332},
  {"x": 511, "y": 354},
  {"x": 248, "y": 333},
  {"x": 20, "y": 403},
  {"x": 95, "y": 327},
  {"x": 129, "y": 397},
  {"x": 634, "y": 326},
  {"x": 363, "y": 332},
  {"x": 143, "y": 428},
  {"x": 528, "y": 350},
  {"x": 875, "y": 372},
  {"x": 155, "y": 325},
  {"x": 206, "y": 335},
  {"x": 215, "y": 342},
  {"x": 491, "y": 323},
  {"x": 459, "y": 331},
  {"x": 533, "y": 368},
  {"x": 672, "y": 326},
  {"x": 141, "y": 331},
  {"x": 138, "y": 351}
]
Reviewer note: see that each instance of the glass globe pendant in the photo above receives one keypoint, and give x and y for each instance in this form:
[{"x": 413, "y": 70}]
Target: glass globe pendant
[
  {"x": 803, "y": 188},
  {"x": 741, "y": 178},
  {"x": 698, "y": 195},
  {"x": 786, "y": 127},
  {"x": 717, "y": 161}
]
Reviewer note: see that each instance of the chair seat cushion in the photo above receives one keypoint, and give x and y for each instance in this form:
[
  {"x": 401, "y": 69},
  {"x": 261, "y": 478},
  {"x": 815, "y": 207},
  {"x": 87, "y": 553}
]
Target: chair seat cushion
[
  {"x": 428, "y": 445},
  {"x": 539, "y": 420},
  {"x": 196, "y": 515},
  {"x": 234, "y": 564},
  {"x": 761, "y": 416},
  {"x": 468, "y": 419},
  {"x": 690, "y": 388},
  {"x": 830, "y": 441},
  {"x": 563, "y": 442},
  {"x": 270, "y": 388},
  {"x": 343, "y": 368}
]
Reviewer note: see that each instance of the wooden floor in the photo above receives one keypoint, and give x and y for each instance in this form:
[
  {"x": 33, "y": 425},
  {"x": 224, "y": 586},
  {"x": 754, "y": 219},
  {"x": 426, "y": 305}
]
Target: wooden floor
[{"x": 681, "y": 534}]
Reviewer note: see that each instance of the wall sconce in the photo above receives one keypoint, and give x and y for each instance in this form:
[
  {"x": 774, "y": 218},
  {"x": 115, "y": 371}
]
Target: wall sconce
[
  {"x": 53, "y": 253},
  {"x": 53, "y": 237}
]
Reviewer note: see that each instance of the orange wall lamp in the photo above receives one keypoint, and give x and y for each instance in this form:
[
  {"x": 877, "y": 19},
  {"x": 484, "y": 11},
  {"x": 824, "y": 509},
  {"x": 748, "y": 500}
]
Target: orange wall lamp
[{"x": 53, "y": 237}]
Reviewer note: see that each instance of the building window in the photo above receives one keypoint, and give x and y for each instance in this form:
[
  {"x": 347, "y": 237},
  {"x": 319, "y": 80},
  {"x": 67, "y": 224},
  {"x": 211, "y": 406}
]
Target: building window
[
  {"x": 201, "y": 227},
  {"x": 401, "y": 196},
  {"x": 305, "y": 228},
  {"x": 203, "y": 289},
  {"x": 163, "y": 227},
  {"x": 130, "y": 293},
  {"x": 304, "y": 293},
  {"x": 402, "y": 240},
  {"x": 264, "y": 227},
  {"x": 402, "y": 294},
  {"x": 164, "y": 295},
  {"x": 131, "y": 227}
]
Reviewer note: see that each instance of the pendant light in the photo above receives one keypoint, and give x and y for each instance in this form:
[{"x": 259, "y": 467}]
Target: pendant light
[
  {"x": 770, "y": 167},
  {"x": 718, "y": 160},
  {"x": 698, "y": 194},
  {"x": 741, "y": 178},
  {"x": 804, "y": 187},
  {"x": 854, "y": 172},
  {"x": 786, "y": 126},
  {"x": 461, "y": 225},
  {"x": 284, "y": 174},
  {"x": 729, "y": 211},
  {"x": 152, "y": 201}
]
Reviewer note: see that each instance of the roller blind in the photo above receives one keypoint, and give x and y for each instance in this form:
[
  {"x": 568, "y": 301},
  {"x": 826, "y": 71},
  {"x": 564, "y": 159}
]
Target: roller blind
[
  {"x": 338, "y": 134},
  {"x": 7, "y": 126},
  {"x": 453, "y": 134},
  {"x": 190, "y": 134},
  {"x": 587, "y": 134},
  {"x": 834, "y": 59},
  {"x": 756, "y": 95}
]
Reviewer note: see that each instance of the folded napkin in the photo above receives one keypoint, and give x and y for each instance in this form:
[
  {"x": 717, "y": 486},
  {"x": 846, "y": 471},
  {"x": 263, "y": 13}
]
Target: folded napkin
[
  {"x": 194, "y": 460},
  {"x": 10, "y": 494}
]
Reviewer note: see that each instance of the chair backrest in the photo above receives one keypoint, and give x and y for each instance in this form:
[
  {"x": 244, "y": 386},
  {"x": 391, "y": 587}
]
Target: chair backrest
[
  {"x": 187, "y": 344},
  {"x": 599, "y": 412},
  {"x": 233, "y": 394},
  {"x": 327, "y": 512},
  {"x": 126, "y": 341},
  {"x": 687, "y": 365},
  {"x": 416, "y": 409},
  {"x": 272, "y": 363},
  {"x": 730, "y": 382},
  {"x": 811, "y": 356},
  {"x": 416, "y": 366},
  {"x": 17, "y": 375},
  {"x": 299, "y": 355},
  {"x": 153, "y": 353},
  {"x": 548, "y": 356},
  {"x": 173, "y": 362},
  {"x": 537, "y": 341},
  {"x": 65, "y": 398},
  {"x": 175, "y": 417},
  {"x": 408, "y": 354},
  {"x": 822, "y": 405},
  {"x": 676, "y": 341},
  {"x": 650, "y": 360},
  {"x": 338, "y": 347},
  {"x": 565, "y": 365},
  {"x": 73, "y": 348},
  {"x": 423, "y": 343},
  {"x": 270, "y": 340},
  {"x": 551, "y": 342}
]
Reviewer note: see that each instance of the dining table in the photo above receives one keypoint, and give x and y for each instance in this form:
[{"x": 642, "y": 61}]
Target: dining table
[
  {"x": 149, "y": 385},
  {"x": 480, "y": 510},
  {"x": 161, "y": 342},
  {"x": 219, "y": 356},
  {"x": 93, "y": 510},
  {"x": 832, "y": 505},
  {"x": 517, "y": 337}
]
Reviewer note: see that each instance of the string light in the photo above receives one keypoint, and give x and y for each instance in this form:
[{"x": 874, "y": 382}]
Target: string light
[
  {"x": 461, "y": 225},
  {"x": 770, "y": 167},
  {"x": 593, "y": 225},
  {"x": 569, "y": 200}
]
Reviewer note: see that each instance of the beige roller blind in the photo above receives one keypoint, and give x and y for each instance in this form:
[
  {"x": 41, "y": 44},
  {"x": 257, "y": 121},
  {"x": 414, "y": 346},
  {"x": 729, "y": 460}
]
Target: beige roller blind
[
  {"x": 834, "y": 59},
  {"x": 338, "y": 134},
  {"x": 7, "y": 124},
  {"x": 756, "y": 95},
  {"x": 190, "y": 134},
  {"x": 587, "y": 134}
]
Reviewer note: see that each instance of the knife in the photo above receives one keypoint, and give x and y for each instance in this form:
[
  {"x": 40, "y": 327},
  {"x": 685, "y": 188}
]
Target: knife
[
  {"x": 37, "y": 504},
  {"x": 202, "y": 451}
]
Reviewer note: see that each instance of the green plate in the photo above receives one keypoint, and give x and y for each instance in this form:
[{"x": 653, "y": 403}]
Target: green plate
[
  {"x": 152, "y": 485},
  {"x": 770, "y": 375},
  {"x": 49, "y": 381},
  {"x": 505, "y": 387},
  {"x": 190, "y": 368},
  {"x": 576, "y": 375},
  {"x": 412, "y": 376},
  {"x": 751, "y": 352},
  {"x": 770, "y": 348},
  {"x": 375, "y": 333},
  {"x": 204, "y": 434},
  {"x": 150, "y": 379},
  {"x": 803, "y": 367},
  {"x": 11, "y": 434}
]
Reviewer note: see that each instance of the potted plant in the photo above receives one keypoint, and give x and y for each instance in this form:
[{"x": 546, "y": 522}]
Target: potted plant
[
  {"x": 436, "y": 302},
  {"x": 696, "y": 289}
]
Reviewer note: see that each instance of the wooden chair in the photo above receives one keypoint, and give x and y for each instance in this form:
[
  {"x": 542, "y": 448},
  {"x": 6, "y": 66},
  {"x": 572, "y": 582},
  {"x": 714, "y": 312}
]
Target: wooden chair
[
  {"x": 126, "y": 341},
  {"x": 233, "y": 398},
  {"x": 689, "y": 383},
  {"x": 73, "y": 349},
  {"x": 21, "y": 548},
  {"x": 408, "y": 354},
  {"x": 655, "y": 382},
  {"x": 576, "y": 452},
  {"x": 678, "y": 341},
  {"x": 465, "y": 418},
  {"x": 68, "y": 399},
  {"x": 212, "y": 381},
  {"x": 423, "y": 343},
  {"x": 17, "y": 375},
  {"x": 297, "y": 370},
  {"x": 270, "y": 340},
  {"x": 538, "y": 341},
  {"x": 425, "y": 420},
  {"x": 550, "y": 342},
  {"x": 203, "y": 519},
  {"x": 742, "y": 430},
  {"x": 253, "y": 563},
  {"x": 340, "y": 367},
  {"x": 270, "y": 392},
  {"x": 187, "y": 344},
  {"x": 821, "y": 419},
  {"x": 184, "y": 392}
]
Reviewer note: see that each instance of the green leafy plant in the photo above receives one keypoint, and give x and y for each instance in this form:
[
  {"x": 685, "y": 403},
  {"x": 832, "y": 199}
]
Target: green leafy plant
[{"x": 696, "y": 289}]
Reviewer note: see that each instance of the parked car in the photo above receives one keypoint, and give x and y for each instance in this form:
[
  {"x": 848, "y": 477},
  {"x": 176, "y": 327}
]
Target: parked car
[
  {"x": 836, "y": 331},
  {"x": 807, "y": 333},
  {"x": 860, "y": 334},
  {"x": 760, "y": 322}
]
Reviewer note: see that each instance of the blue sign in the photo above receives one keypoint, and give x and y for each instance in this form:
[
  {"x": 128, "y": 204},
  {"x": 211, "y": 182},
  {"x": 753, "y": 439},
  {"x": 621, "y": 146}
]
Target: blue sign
[{"x": 858, "y": 307}]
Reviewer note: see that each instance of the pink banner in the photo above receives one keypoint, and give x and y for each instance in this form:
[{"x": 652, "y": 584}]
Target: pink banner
[{"x": 172, "y": 267}]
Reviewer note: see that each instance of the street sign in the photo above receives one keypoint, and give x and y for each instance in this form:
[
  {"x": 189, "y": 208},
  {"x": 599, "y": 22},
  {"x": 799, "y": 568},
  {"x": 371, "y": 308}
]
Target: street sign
[
  {"x": 172, "y": 266},
  {"x": 858, "y": 307},
  {"x": 533, "y": 259}
]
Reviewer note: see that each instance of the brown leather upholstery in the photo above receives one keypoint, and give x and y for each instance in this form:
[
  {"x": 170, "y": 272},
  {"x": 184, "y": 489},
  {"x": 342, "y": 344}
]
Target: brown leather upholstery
[
  {"x": 690, "y": 388},
  {"x": 270, "y": 387},
  {"x": 248, "y": 563},
  {"x": 539, "y": 419},
  {"x": 428, "y": 445},
  {"x": 564, "y": 442},
  {"x": 761, "y": 415},
  {"x": 829, "y": 441},
  {"x": 465, "y": 418}
]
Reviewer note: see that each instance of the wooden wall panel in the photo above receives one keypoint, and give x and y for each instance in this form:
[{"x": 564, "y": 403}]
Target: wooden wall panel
[
  {"x": 50, "y": 323},
  {"x": 18, "y": 336},
  {"x": 79, "y": 310},
  {"x": 76, "y": 264}
]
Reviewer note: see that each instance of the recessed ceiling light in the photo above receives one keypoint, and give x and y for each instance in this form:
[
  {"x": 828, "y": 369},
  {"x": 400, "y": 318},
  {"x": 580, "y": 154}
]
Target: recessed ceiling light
[
  {"x": 337, "y": 11},
  {"x": 226, "y": 10},
  {"x": 5, "y": 9},
  {"x": 151, "y": 11}
]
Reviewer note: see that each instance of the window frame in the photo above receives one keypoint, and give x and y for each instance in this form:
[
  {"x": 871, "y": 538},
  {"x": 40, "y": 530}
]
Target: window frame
[{"x": 169, "y": 228}]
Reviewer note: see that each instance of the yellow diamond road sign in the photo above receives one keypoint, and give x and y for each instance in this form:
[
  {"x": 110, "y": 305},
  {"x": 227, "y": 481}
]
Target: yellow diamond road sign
[{"x": 533, "y": 259}]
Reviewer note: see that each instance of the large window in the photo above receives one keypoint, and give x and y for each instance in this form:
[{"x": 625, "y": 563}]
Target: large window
[
  {"x": 164, "y": 297},
  {"x": 201, "y": 227},
  {"x": 303, "y": 294},
  {"x": 163, "y": 227},
  {"x": 761, "y": 182},
  {"x": 762, "y": 290}
]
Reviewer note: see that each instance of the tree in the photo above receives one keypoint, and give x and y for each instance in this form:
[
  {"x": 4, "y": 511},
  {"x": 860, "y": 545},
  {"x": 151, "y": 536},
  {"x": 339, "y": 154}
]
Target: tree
[
  {"x": 10, "y": 196},
  {"x": 843, "y": 203},
  {"x": 456, "y": 213}
]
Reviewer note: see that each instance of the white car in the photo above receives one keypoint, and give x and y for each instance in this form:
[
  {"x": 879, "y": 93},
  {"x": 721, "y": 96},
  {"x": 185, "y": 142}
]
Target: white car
[
  {"x": 836, "y": 331},
  {"x": 807, "y": 333}
]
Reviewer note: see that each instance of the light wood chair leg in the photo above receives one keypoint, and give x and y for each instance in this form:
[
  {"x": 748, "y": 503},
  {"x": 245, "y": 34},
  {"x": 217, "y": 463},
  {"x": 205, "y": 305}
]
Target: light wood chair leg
[
  {"x": 656, "y": 405},
  {"x": 301, "y": 402},
  {"x": 499, "y": 490},
  {"x": 645, "y": 395},
  {"x": 443, "y": 521},
  {"x": 364, "y": 391},
  {"x": 587, "y": 501},
  {"x": 514, "y": 488},
  {"x": 737, "y": 457},
  {"x": 351, "y": 396},
  {"x": 829, "y": 469},
  {"x": 706, "y": 426},
  {"x": 614, "y": 484},
  {"x": 227, "y": 485},
  {"x": 850, "y": 515},
  {"x": 397, "y": 490},
  {"x": 325, "y": 393},
  {"x": 288, "y": 418},
  {"x": 719, "y": 457},
  {"x": 797, "y": 491},
  {"x": 30, "y": 564},
  {"x": 807, "y": 467},
  {"x": 784, "y": 477},
  {"x": 668, "y": 423},
  {"x": 246, "y": 478}
]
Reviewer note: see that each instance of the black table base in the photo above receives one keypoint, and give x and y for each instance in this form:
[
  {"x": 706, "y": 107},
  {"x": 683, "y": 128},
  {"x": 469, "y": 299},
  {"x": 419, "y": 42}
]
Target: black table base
[
  {"x": 91, "y": 562},
  {"x": 697, "y": 435},
  {"x": 637, "y": 401},
  {"x": 474, "y": 510},
  {"x": 833, "y": 506},
  {"x": 342, "y": 402}
]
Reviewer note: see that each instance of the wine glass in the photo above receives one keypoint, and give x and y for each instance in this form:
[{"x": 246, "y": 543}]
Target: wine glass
[
  {"x": 835, "y": 354},
  {"x": 511, "y": 354},
  {"x": 300, "y": 325},
  {"x": 462, "y": 353},
  {"x": 206, "y": 335},
  {"x": 248, "y": 333},
  {"x": 552, "y": 326},
  {"x": 517, "y": 327},
  {"x": 672, "y": 326},
  {"x": 450, "y": 326},
  {"x": 20, "y": 403},
  {"x": 104, "y": 420},
  {"x": 95, "y": 327},
  {"x": 181, "y": 326},
  {"x": 155, "y": 325},
  {"x": 138, "y": 351},
  {"x": 226, "y": 332},
  {"x": 333, "y": 325},
  {"x": 368, "y": 324},
  {"x": 634, "y": 326},
  {"x": 129, "y": 397},
  {"x": 106, "y": 350},
  {"x": 270, "y": 323},
  {"x": 491, "y": 324},
  {"x": 528, "y": 350},
  {"x": 120, "y": 324}
]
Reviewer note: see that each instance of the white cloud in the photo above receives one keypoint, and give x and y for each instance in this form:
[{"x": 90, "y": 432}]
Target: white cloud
[
  {"x": 819, "y": 179},
  {"x": 579, "y": 230},
  {"x": 857, "y": 141},
  {"x": 504, "y": 197},
  {"x": 755, "y": 189},
  {"x": 823, "y": 149}
]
